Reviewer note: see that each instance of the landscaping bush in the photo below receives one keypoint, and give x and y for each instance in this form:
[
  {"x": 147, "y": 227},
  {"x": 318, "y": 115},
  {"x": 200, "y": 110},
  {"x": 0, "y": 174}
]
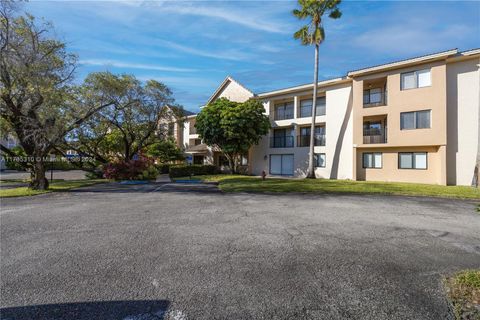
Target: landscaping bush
[
  {"x": 96, "y": 173},
  {"x": 140, "y": 169},
  {"x": 194, "y": 170},
  {"x": 61, "y": 164},
  {"x": 164, "y": 168}
]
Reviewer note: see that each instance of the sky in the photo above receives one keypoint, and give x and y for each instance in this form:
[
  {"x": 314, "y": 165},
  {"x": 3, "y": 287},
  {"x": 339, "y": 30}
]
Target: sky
[{"x": 191, "y": 46}]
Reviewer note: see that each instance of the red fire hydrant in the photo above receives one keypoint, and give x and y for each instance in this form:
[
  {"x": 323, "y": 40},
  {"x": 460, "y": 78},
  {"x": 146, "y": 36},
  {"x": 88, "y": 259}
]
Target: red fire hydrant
[{"x": 264, "y": 174}]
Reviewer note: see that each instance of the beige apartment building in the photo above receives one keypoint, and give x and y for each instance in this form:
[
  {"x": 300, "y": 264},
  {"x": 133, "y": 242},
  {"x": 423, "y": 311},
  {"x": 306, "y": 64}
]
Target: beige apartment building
[{"x": 415, "y": 120}]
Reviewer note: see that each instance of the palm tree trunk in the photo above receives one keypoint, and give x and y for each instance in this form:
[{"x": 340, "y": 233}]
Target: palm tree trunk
[
  {"x": 476, "y": 174},
  {"x": 311, "y": 155}
]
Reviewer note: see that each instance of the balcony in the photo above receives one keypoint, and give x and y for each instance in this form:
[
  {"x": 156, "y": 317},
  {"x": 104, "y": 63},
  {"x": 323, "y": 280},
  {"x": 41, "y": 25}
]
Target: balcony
[
  {"x": 283, "y": 114},
  {"x": 281, "y": 142},
  {"x": 375, "y": 135},
  {"x": 304, "y": 140},
  {"x": 375, "y": 92},
  {"x": 374, "y": 99}
]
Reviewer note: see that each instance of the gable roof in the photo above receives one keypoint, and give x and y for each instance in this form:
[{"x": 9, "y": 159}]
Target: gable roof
[{"x": 225, "y": 83}]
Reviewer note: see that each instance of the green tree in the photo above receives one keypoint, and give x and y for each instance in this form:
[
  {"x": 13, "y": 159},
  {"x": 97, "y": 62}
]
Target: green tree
[
  {"x": 313, "y": 34},
  {"x": 232, "y": 127},
  {"x": 165, "y": 151},
  {"x": 36, "y": 96},
  {"x": 130, "y": 124}
]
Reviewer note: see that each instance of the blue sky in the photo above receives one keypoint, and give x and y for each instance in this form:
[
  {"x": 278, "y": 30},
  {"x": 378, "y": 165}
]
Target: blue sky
[{"x": 192, "y": 45}]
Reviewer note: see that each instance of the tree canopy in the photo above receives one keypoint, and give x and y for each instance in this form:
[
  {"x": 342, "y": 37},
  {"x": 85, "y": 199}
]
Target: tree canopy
[
  {"x": 232, "y": 127},
  {"x": 36, "y": 96},
  {"x": 129, "y": 124},
  {"x": 108, "y": 117}
]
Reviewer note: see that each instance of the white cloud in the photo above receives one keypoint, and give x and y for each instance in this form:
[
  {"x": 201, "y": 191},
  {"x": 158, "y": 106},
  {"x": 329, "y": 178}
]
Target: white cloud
[
  {"x": 120, "y": 64},
  {"x": 182, "y": 81},
  {"x": 229, "y": 54},
  {"x": 248, "y": 18}
]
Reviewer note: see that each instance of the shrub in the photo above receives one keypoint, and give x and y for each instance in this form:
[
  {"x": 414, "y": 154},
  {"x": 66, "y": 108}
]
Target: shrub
[
  {"x": 194, "y": 170},
  {"x": 164, "y": 168},
  {"x": 96, "y": 173},
  {"x": 140, "y": 169}
]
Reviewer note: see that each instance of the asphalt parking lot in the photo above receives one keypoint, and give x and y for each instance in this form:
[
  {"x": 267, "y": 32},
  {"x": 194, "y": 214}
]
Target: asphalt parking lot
[{"x": 168, "y": 251}]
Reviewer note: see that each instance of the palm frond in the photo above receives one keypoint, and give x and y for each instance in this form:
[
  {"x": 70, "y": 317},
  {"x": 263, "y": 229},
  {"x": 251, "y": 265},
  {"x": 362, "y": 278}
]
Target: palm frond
[
  {"x": 314, "y": 33},
  {"x": 335, "y": 14},
  {"x": 303, "y": 35}
]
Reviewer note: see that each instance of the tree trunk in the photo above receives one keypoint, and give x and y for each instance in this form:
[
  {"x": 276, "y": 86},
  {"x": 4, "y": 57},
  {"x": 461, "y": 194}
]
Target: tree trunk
[
  {"x": 311, "y": 155},
  {"x": 476, "y": 171},
  {"x": 231, "y": 162},
  {"x": 235, "y": 164},
  {"x": 39, "y": 181}
]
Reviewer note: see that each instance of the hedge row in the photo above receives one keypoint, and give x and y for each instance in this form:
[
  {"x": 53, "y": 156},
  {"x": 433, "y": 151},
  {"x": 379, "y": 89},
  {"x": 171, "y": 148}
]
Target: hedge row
[{"x": 194, "y": 170}]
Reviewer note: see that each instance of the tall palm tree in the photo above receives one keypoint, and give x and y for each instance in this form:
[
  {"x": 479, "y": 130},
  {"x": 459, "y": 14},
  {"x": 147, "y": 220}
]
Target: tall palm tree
[{"x": 313, "y": 34}]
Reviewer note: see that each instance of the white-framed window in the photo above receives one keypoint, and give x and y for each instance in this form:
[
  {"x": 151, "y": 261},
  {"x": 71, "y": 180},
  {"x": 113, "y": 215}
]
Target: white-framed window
[
  {"x": 415, "y": 120},
  {"x": 306, "y": 107},
  {"x": 320, "y": 160},
  {"x": 412, "y": 160},
  {"x": 372, "y": 160},
  {"x": 416, "y": 79}
]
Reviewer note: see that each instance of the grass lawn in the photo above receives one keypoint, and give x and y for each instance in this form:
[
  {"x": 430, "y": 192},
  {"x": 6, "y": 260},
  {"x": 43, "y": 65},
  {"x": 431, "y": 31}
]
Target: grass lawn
[
  {"x": 55, "y": 186},
  {"x": 237, "y": 183},
  {"x": 463, "y": 290}
]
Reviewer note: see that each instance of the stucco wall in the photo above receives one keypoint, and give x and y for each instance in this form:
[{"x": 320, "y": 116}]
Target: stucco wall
[
  {"x": 427, "y": 98},
  {"x": 391, "y": 172},
  {"x": 338, "y": 145},
  {"x": 463, "y": 83}
]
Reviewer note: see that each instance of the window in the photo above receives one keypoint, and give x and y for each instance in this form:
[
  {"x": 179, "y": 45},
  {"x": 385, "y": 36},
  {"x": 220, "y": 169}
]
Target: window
[
  {"x": 197, "y": 159},
  {"x": 320, "y": 160},
  {"x": 281, "y": 164},
  {"x": 198, "y": 141},
  {"x": 415, "y": 120},
  {"x": 372, "y": 160},
  {"x": 373, "y": 96},
  {"x": 416, "y": 79},
  {"x": 282, "y": 138},
  {"x": 192, "y": 128},
  {"x": 304, "y": 137},
  {"x": 306, "y": 107},
  {"x": 284, "y": 111},
  {"x": 171, "y": 129},
  {"x": 412, "y": 160}
]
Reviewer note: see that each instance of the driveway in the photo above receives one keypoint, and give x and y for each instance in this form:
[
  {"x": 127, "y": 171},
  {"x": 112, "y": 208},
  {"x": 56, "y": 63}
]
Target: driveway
[
  {"x": 172, "y": 252},
  {"x": 57, "y": 174}
]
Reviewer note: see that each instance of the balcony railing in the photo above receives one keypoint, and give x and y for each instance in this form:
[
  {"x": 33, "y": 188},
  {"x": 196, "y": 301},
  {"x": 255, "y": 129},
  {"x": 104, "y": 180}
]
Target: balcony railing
[
  {"x": 304, "y": 140},
  {"x": 283, "y": 114},
  {"x": 371, "y": 136},
  {"x": 374, "y": 99},
  {"x": 281, "y": 142}
]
